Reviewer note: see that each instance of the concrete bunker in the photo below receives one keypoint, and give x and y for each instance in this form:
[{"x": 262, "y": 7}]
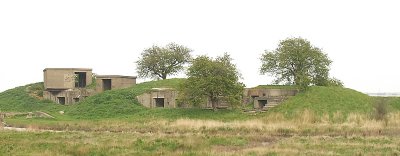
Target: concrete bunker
[
  {"x": 167, "y": 97},
  {"x": 264, "y": 98},
  {"x": 71, "y": 85},
  {"x": 159, "y": 97},
  {"x": 109, "y": 82}
]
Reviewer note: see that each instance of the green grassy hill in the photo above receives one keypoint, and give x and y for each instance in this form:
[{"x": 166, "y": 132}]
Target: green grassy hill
[
  {"x": 330, "y": 100},
  {"x": 19, "y": 100},
  {"x": 123, "y": 104}
]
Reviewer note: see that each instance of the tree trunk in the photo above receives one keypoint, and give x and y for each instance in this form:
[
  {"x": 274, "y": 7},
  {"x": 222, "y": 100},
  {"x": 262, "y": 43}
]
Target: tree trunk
[
  {"x": 164, "y": 76},
  {"x": 214, "y": 103}
]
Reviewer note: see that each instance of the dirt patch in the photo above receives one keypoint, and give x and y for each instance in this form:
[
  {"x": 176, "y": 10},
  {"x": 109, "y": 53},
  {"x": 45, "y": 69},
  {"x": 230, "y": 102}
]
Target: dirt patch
[{"x": 264, "y": 141}]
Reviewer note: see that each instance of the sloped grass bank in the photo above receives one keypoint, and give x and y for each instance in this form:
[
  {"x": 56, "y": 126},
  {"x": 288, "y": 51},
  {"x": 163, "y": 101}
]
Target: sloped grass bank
[
  {"x": 19, "y": 100},
  {"x": 327, "y": 100}
]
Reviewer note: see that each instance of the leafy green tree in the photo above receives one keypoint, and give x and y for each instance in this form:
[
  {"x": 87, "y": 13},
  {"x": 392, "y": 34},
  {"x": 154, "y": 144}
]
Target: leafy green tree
[
  {"x": 214, "y": 80},
  {"x": 297, "y": 62},
  {"x": 159, "y": 62}
]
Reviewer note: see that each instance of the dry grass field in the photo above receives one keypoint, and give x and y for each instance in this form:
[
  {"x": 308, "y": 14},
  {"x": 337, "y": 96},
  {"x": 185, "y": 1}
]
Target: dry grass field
[{"x": 306, "y": 134}]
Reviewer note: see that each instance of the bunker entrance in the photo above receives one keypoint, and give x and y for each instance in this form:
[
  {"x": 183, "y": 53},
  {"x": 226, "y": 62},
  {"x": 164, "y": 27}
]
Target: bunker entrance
[
  {"x": 80, "y": 79},
  {"x": 159, "y": 102},
  {"x": 61, "y": 100},
  {"x": 262, "y": 103},
  {"x": 106, "y": 84}
]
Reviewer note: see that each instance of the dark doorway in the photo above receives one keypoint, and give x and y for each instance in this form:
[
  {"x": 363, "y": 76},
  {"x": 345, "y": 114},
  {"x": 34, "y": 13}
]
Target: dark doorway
[
  {"x": 159, "y": 102},
  {"x": 262, "y": 103},
  {"x": 106, "y": 84},
  {"x": 76, "y": 100},
  {"x": 61, "y": 100},
  {"x": 80, "y": 79}
]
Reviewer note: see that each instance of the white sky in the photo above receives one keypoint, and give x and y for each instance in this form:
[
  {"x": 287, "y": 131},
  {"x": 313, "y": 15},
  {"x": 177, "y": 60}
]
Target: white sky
[{"x": 360, "y": 36}]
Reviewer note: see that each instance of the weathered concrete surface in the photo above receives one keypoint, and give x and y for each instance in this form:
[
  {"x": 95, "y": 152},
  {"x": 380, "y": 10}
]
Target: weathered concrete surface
[
  {"x": 116, "y": 82},
  {"x": 69, "y": 85},
  {"x": 71, "y": 96},
  {"x": 267, "y": 98},
  {"x": 167, "y": 96},
  {"x": 64, "y": 78}
]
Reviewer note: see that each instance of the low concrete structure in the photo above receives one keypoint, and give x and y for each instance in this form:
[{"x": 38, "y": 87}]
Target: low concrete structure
[
  {"x": 159, "y": 97},
  {"x": 108, "y": 82},
  {"x": 267, "y": 98},
  {"x": 167, "y": 97},
  {"x": 70, "y": 85}
]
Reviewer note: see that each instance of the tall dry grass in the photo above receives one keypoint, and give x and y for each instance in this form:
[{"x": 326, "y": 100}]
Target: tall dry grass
[{"x": 306, "y": 122}]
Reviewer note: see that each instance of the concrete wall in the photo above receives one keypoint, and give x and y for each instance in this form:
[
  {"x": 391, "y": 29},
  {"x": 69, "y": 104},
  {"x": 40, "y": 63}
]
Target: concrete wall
[
  {"x": 60, "y": 83},
  {"x": 170, "y": 96},
  {"x": 149, "y": 99},
  {"x": 273, "y": 96},
  {"x": 117, "y": 82},
  {"x": 71, "y": 95},
  {"x": 63, "y": 78},
  {"x": 270, "y": 92}
]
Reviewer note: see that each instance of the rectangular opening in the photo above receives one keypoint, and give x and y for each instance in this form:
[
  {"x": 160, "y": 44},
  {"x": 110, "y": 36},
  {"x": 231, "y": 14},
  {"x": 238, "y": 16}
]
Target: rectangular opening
[
  {"x": 76, "y": 100},
  {"x": 80, "y": 79},
  {"x": 159, "y": 102},
  {"x": 106, "y": 84},
  {"x": 61, "y": 100},
  {"x": 262, "y": 103}
]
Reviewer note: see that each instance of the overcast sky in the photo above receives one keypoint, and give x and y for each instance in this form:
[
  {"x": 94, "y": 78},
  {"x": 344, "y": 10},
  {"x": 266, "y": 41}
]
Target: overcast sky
[{"x": 361, "y": 37}]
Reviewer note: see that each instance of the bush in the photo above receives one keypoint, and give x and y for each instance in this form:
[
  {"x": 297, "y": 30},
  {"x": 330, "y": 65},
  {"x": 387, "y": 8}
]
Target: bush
[{"x": 380, "y": 109}]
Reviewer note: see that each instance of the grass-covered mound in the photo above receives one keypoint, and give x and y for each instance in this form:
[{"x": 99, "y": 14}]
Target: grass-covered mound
[
  {"x": 330, "y": 100},
  {"x": 119, "y": 102},
  {"x": 122, "y": 103},
  {"x": 24, "y": 99}
]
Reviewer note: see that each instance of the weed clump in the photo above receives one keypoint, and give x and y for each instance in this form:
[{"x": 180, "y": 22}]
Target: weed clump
[{"x": 380, "y": 109}]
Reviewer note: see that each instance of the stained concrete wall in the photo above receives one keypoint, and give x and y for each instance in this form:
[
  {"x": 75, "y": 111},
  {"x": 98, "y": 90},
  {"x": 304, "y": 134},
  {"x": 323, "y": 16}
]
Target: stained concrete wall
[
  {"x": 170, "y": 96},
  {"x": 149, "y": 99},
  {"x": 60, "y": 83},
  {"x": 272, "y": 96},
  {"x": 256, "y": 92},
  {"x": 71, "y": 95},
  {"x": 117, "y": 81},
  {"x": 63, "y": 78}
]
